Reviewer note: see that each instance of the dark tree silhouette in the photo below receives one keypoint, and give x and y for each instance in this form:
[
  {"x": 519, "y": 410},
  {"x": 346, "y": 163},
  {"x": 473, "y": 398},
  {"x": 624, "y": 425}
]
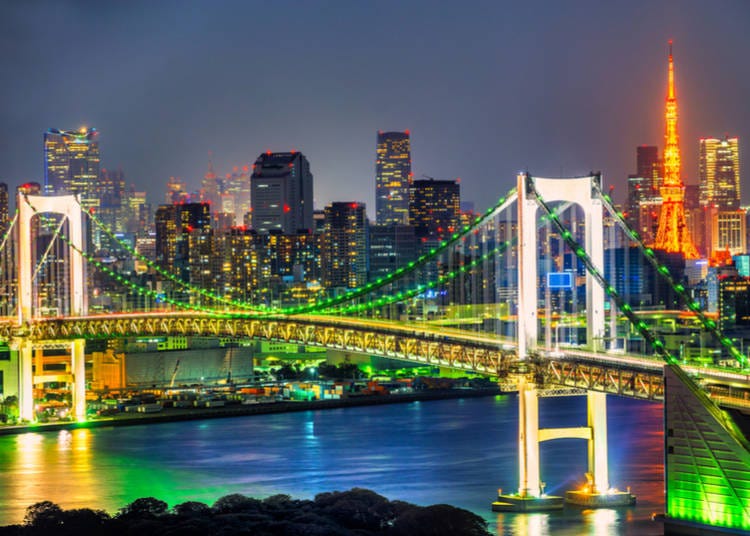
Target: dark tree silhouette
[
  {"x": 144, "y": 508},
  {"x": 44, "y": 515},
  {"x": 439, "y": 520},
  {"x": 357, "y": 508},
  {"x": 192, "y": 509},
  {"x": 357, "y": 512},
  {"x": 235, "y": 503}
]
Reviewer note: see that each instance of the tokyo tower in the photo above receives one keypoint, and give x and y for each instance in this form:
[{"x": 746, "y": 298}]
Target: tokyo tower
[{"x": 673, "y": 235}]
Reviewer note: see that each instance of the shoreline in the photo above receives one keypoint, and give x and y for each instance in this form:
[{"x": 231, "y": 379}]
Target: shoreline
[{"x": 240, "y": 410}]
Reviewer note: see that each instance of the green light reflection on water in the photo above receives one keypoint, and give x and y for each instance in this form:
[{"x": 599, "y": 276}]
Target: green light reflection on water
[{"x": 63, "y": 468}]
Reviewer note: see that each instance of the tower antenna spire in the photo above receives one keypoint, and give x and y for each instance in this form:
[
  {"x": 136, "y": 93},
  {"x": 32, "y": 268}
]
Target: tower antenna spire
[
  {"x": 211, "y": 164},
  {"x": 670, "y": 92},
  {"x": 672, "y": 234}
]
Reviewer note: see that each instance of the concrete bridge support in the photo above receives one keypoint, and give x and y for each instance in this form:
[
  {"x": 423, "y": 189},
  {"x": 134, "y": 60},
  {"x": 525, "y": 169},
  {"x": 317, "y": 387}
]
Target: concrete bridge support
[
  {"x": 26, "y": 380},
  {"x": 31, "y": 372},
  {"x": 528, "y": 440},
  {"x": 597, "y": 423},
  {"x": 530, "y": 435},
  {"x": 78, "y": 370},
  {"x": 531, "y": 494}
]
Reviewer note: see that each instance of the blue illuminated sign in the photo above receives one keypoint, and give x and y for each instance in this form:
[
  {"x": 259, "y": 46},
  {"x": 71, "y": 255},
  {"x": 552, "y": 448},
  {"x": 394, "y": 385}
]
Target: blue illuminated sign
[{"x": 559, "y": 280}]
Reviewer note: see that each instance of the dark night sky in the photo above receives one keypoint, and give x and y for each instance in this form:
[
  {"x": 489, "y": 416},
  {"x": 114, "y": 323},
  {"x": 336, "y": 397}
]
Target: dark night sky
[{"x": 487, "y": 88}]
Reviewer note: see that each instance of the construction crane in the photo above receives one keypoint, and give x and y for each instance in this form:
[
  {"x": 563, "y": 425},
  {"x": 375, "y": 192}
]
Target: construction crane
[{"x": 174, "y": 374}]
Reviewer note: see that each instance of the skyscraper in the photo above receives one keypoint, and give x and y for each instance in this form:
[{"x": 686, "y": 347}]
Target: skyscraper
[
  {"x": 237, "y": 187},
  {"x": 183, "y": 242},
  {"x": 435, "y": 207},
  {"x": 345, "y": 261},
  {"x": 393, "y": 178},
  {"x": 8, "y": 275},
  {"x": 648, "y": 165},
  {"x": 673, "y": 235},
  {"x": 726, "y": 233},
  {"x": 720, "y": 173},
  {"x": 176, "y": 191},
  {"x": 391, "y": 247},
  {"x": 110, "y": 192},
  {"x": 210, "y": 185},
  {"x": 644, "y": 197},
  {"x": 281, "y": 193},
  {"x": 4, "y": 210},
  {"x": 71, "y": 163}
]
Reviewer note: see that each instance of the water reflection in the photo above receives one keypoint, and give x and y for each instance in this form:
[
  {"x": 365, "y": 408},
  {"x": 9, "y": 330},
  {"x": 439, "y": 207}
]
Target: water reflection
[
  {"x": 38, "y": 466},
  {"x": 455, "y": 452},
  {"x": 572, "y": 521},
  {"x": 523, "y": 524}
]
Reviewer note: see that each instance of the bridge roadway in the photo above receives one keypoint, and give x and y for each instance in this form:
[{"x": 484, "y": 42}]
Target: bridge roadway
[{"x": 494, "y": 355}]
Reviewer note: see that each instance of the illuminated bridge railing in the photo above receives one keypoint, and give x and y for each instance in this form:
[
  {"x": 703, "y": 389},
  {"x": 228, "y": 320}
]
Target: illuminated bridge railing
[
  {"x": 607, "y": 374},
  {"x": 489, "y": 355},
  {"x": 417, "y": 344},
  {"x": 636, "y": 376}
]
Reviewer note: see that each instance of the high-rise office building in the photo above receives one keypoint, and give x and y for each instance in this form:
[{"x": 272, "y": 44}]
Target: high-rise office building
[
  {"x": 110, "y": 192},
  {"x": 165, "y": 222},
  {"x": 435, "y": 207},
  {"x": 4, "y": 210},
  {"x": 294, "y": 258},
  {"x": 725, "y": 233},
  {"x": 649, "y": 166},
  {"x": 345, "y": 259},
  {"x": 237, "y": 187},
  {"x": 71, "y": 163},
  {"x": 138, "y": 216},
  {"x": 391, "y": 247},
  {"x": 281, "y": 193},
  {"x": 644, "y": 196},
  {"x": 8, "y": 276},
  {"x": 719, "y": 166},
  {"x": 211, "y": 185},
  {"x": 176, "y": 191},
  {"x": 393, "y": 178},
  {"x": 183, "y": 242},
  {"x": 239, "y": 263}
]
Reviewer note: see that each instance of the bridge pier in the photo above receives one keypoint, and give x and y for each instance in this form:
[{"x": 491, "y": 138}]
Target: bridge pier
[
  {"x": 531, "y": 496},
  {"x": 31, "y": 357},
  {"x": 597, "y": 492},
  {"x": 598, "y": 448},
  {"x": 528, "y": 440},
  {"x": 25, "y": 380},
  {"x": 78, "y": 387}
]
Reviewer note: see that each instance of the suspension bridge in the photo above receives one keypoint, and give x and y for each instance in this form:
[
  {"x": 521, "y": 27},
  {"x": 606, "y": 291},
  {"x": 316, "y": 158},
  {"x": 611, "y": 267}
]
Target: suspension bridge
[{"x": 495, "y": 314}]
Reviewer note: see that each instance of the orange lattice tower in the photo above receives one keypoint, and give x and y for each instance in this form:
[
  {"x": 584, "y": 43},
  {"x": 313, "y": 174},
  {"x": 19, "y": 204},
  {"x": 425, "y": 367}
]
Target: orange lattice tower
[{"x": 673, "y": 235}]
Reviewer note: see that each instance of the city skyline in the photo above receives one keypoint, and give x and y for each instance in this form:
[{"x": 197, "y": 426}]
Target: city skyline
[{"x": 485, "y": 90}]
